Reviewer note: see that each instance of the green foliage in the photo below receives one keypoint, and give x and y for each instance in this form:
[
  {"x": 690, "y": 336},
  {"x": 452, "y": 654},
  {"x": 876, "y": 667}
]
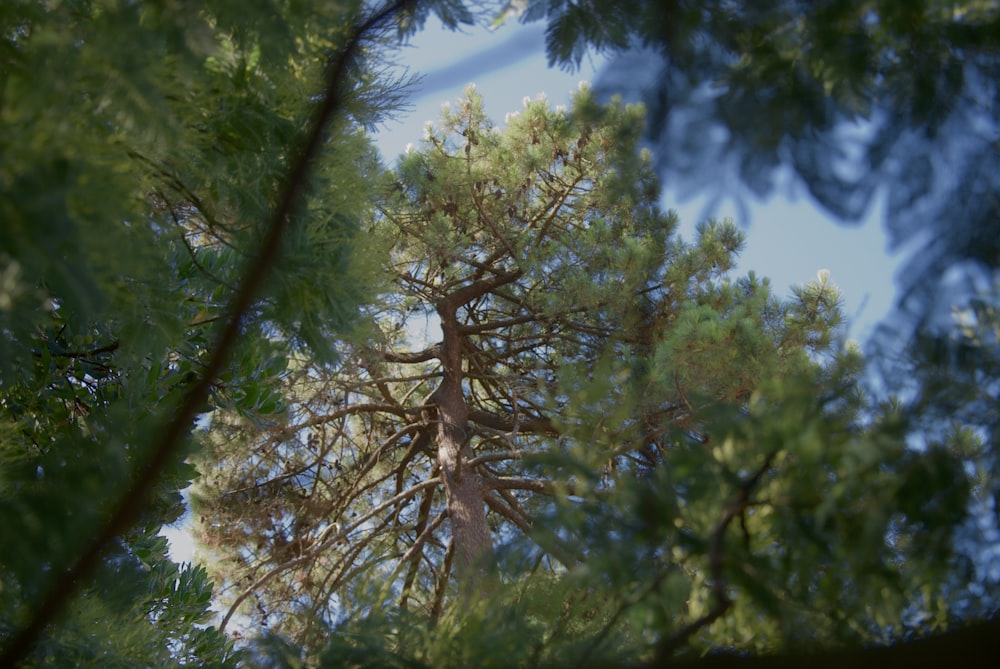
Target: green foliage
[
  {"x": 676, "y": 461},
  {"x": 949, "y": 374},
  {"x": 452, "y": 14},
  {"x": 673, "y": 461},
  {"x": 826, "y": 544},
  {"x": 852, "y": 98},
  {"x": 144, "y": 145}
]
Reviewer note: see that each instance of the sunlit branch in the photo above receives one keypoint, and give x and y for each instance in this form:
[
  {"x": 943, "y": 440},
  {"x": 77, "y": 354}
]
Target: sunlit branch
[
  {"x": 716, "y": 565},
  {"x": 495, "y": 456},
  {"x": 331, "y": 535}
]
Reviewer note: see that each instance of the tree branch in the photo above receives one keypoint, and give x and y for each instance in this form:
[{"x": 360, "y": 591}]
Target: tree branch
[
  {"x": 534, "y": 425},
  {"x": 322, "y": 543},
  {"x": 100, "y": 350},
  {"x": 423, "y": 534},
  {"x": 515, "y": 516},
  {"x": 512, "y": 511},
  {"x": 442, "y": 584},
  {"x": 466, "y": 294},
  {"x": 716, "y": 566},
  {"x": 370, "y": 407},
  {"x": 419, "y": 542},
  {"x": 495, "y": 456},
  {"x": 515, "y": 483},
  {"x": 128, "y": 508},
  {"x": 418, "y": 356},
  {"x": 497, "y": 325},
  {"x": 555, "y": 205}
]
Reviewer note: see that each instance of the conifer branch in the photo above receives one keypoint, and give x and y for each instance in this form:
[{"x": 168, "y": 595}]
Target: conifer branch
[
  {"x": 331, "y": 535},
  {"x": 164, "y": 449},
  {"x": 716, "y": 565}
]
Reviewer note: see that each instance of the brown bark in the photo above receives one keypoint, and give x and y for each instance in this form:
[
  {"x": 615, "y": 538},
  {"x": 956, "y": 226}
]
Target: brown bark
[{"x": 464, "y": 490}]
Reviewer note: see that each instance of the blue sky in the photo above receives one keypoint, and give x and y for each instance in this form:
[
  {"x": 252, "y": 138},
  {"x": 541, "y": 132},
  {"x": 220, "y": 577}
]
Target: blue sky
[{"x": 789, "y": 239}]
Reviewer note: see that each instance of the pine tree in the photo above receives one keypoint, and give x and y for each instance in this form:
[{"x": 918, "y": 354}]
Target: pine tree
[
  {"x": 580, "y": 339},
  {"x": 145, "y": 146},
  {"x": 616, "y": 450}
]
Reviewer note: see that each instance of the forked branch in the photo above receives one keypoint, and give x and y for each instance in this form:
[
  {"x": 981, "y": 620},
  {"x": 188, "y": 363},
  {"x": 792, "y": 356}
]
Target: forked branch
[{"x": 721, "y": 603}]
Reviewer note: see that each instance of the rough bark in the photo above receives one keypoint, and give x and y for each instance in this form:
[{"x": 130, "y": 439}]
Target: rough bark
[{"x": 464, "y": 490}]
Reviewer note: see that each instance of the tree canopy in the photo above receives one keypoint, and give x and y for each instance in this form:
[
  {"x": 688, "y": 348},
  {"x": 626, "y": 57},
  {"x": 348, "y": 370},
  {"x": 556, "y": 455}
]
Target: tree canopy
[
  {"x": 595, "y": 380},
  {"x": 857, "y": 100},
  {"x": 152, "y": 157},
  {"x": 617, "y": 450},
  {"x": 540, "y": 252}
]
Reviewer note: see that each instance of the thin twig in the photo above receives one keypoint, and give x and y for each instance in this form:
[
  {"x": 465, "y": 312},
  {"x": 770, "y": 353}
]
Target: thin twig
[
  {"x": 331, "y": 535},
  {"x": 716, "y": 565}
]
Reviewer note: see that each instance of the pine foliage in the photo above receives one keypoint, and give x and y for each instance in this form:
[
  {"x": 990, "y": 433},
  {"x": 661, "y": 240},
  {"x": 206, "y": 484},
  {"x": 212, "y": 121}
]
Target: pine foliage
[
  {"x": 616, "y": 450},
  {"x": 144, "y": 144},
  {"x": 622, "y": 389}
]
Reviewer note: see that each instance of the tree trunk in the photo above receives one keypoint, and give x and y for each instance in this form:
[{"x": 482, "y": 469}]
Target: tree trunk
[{"x": 464, "y": 491}]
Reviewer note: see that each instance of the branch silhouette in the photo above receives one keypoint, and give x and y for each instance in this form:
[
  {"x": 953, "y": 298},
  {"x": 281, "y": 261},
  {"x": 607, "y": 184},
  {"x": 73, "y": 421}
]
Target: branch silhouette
[{"x": 126, "y": 511}]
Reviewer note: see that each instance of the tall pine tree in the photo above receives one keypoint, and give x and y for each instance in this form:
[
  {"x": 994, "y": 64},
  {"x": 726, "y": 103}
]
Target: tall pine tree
[{"x": 576, "y": 327}]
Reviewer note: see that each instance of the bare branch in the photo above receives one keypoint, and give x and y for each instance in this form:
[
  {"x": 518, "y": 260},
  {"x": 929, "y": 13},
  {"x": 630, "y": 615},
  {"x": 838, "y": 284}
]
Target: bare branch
[
  {"x": 442, "y": 575},
  {"x": 530, "y": 425},
  {"x": 424, "y": 536},
  {"x": 287, "y": 432},
  {"x": 331, "y": 535},
  {"x": 512, "y": 511},
  {"x": 418, "y": 356},
  {"x": 468, "y": 293},
  {"x": 514, "y": 483},
  {"x": 495, "y": 456},
  {"x": 520, "y": 520},
  {"x": 497, "y": 325}
]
